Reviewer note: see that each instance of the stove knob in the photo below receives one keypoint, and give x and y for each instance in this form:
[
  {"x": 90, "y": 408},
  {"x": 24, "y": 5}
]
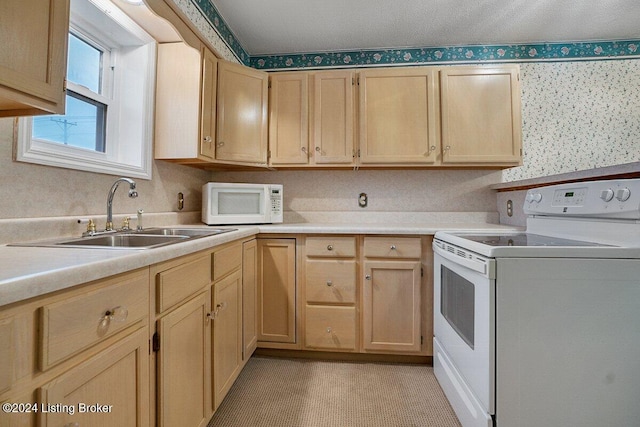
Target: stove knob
[
  {"x": 529, "y": 198},
  {"x": 537, "y": 197},
  {"x": 607, "y": 195},
  {"x": 623, "y": 194}
]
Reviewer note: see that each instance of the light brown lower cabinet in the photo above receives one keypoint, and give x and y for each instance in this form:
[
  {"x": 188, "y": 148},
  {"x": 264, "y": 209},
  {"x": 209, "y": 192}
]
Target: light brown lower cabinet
[
  {"x": 110, "y": 389},
  {"x": 249, "y": 298},
  {"x": 78, "y": 356},
  {"x": 276, "y": 292},
  {"x": 184, "y": 368},
  {"x": 227, "y": 334}
]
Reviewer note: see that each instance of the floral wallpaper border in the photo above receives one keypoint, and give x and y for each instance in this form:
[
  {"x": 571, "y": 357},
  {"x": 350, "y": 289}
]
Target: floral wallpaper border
[
  {"x": 455, "y": 54},
  {"x": 568, "y": 51}
]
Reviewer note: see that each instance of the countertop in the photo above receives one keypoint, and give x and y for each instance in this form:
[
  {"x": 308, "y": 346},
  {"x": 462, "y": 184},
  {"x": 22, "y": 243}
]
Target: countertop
[{"x": 27, "y": 272}]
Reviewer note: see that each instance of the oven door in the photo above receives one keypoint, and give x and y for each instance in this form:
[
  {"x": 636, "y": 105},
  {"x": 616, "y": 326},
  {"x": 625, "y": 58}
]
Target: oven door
[{"x": 464, "y": 331}]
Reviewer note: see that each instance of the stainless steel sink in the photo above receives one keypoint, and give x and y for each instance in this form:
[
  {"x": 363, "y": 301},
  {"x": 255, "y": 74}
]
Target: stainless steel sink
[
  {"x": 128, "y": 241},
  {"x": 190, "y": 232},
  {"x": 139, "y": 239}
]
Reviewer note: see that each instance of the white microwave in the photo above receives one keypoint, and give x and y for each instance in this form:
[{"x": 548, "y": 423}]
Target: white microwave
[{"x": 225, "y": 203}]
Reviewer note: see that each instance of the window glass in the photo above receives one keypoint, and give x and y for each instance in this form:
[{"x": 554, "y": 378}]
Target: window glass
[
  {"x": 82, "y": 126},
  {"x": 84, "y": 66}
]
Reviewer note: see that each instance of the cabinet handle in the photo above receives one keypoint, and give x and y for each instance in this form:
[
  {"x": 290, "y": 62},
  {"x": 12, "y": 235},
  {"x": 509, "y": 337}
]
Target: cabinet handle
[
  {"x": 329, "y": 282},
  {"x": 115, "y": 314},
  {"x": 214, "y": 314},
  {"x": 329, "y": 247},
  {"x": 368, "y": 277},
  {"x": 207, "y": 139}
]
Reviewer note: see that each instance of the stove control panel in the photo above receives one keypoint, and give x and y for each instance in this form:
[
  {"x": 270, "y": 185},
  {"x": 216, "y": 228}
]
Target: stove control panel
[{"x": 606, "y": 199}]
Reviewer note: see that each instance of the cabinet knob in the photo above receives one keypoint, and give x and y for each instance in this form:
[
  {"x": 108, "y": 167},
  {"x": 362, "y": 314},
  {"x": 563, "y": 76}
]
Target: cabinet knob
[
  {"x": 207, "y": 139},
  {"x": 221, "y": 144},
  {"x": 393, "y": 247},
  {"x": 116, "y": 314},
  {"x": 329, "y": 247},
  {"x": 329, "y": 330},
  {"x": 329, "y": 282},
  {"x": 367, "y": 277},
  {"x": 318, "y": 149},
  {"x": 447, "y": 148},
  {"x": 304, "y": 149}
]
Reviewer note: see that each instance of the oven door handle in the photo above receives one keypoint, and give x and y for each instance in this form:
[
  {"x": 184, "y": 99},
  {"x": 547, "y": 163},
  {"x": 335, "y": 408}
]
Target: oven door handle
[{"x": 475, "y": 264}]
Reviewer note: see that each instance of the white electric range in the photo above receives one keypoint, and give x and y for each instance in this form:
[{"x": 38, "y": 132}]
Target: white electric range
[{"x": 542, "y": 328}]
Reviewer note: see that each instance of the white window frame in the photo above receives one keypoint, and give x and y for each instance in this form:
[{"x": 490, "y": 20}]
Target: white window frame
[{"x": 128, "y": 90}]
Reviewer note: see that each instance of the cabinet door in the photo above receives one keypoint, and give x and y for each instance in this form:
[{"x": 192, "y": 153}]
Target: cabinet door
[
  {"x": 481, "y": 118},
  {"x": 289, "y": 119},
  {"x": 398, "y": 116},
  {"x": 208, "y": 104},
  {"x": 277, "y": 290},
  {"x": 33, "y": 56},
  {"x": 227, "y": 334},
  {"x": 110, "y": 389},
  {"x": 391, "y": 306},
  {"x": 179, "y": 88},
  {"x": 333, "y": 117},
  {"x": 242, "y": 114},
  {"x": 249, "y": 298},
  {"x": 184, "y": 365}
]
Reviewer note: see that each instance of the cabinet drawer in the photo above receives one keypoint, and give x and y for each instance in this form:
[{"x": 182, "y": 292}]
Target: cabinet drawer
[
  {"x": 178, "y": 283},
  {"x": 392, "y": 247},
  {"x": 74, "y": 324},
  {"x": 336, "y": 247},
  {"x": 330, "y": 281},
  {"x": 226, "y": 260},
  {"x": 330, "y": 327}
]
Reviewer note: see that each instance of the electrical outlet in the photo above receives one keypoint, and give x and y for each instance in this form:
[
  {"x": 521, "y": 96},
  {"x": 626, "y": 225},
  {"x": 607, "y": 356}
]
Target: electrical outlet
[
  {"x": 363, "y": 200},
  {"x": 509, "y": 207}
]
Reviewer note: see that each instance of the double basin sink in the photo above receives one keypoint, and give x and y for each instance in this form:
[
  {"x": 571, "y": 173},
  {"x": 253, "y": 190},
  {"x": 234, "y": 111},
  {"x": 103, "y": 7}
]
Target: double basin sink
[{"x": 134, "y": 239}]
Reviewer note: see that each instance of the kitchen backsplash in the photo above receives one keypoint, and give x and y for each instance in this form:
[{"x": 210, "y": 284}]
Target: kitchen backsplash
[
  {"x": 387, "y": 190},
  {"x": 578, "y": 116}
]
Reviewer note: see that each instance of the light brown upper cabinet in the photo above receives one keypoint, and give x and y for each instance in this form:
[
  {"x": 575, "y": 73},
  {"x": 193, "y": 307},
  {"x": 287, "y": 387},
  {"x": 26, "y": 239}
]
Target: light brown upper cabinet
[
  {"x": 332, "y": 118},
  {"x": 398, "y": 116},
  {"x": 33, "y": 56},
  {"x": 407, "y": 117},
  {"x": 242, "y": 114},
  {"x": 185, "y": 104},
  {"x": 209, "y": 111},
  {"x": 289, "y": 119},
  {"x": 481, "y": 116},
  {"x": 312, "y": 119}
]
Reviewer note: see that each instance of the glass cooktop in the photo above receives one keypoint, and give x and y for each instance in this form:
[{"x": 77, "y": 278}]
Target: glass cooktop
[{"x": 525, "y": 239}]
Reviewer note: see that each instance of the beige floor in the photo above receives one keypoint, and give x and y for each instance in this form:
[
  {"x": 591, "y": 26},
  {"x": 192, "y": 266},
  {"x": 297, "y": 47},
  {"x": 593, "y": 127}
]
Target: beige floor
[{"x": 302, "y": 393}]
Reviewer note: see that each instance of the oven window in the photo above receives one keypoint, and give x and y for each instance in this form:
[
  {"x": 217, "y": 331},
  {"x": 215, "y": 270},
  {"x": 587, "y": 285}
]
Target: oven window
[{"x": 457, "y": 302}]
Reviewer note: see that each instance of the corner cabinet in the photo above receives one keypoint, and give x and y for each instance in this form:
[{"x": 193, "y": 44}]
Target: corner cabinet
[
  {"x": 481, "y": 116},
  {"x": 242, "y": 114},
  {"x": 185, "y": 104},
  {"x": 209, "y": 111},
  {"x": 33, "y": 56},
  {"x": 277, "y": 293}
]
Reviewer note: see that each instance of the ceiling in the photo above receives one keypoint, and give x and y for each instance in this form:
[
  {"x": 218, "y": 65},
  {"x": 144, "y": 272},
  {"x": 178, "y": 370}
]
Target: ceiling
[{"x": 269, "y": 27}]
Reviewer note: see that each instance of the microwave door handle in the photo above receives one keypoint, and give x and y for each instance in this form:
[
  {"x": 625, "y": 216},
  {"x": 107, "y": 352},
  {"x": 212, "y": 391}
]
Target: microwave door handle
[{"x": 477, "y": 266}]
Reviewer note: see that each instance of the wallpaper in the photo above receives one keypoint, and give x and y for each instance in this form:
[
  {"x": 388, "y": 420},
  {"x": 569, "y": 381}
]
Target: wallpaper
[{"x": 578, "y": 115}]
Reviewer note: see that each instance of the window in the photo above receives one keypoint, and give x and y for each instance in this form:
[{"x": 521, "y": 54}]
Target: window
[{"x": 108, "y": 122}]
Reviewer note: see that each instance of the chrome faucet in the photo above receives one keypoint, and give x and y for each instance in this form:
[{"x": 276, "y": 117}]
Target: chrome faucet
[{"x": 132, "y": 193}]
